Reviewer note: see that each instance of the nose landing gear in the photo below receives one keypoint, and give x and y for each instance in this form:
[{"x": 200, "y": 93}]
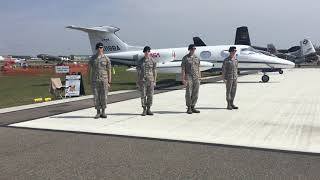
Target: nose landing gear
[{"x": 265, "y": 78}]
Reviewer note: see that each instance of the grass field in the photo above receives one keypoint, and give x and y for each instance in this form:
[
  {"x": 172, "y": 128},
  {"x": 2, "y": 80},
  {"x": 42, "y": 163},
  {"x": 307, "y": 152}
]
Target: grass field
[{"x": 21, "y": 90}]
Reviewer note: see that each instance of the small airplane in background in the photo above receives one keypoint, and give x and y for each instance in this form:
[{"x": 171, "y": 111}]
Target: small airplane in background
[
  {"x": 169, "y": 60},
  {"x": 50, "y": 58},
  {"x": 14, "y": 61}
]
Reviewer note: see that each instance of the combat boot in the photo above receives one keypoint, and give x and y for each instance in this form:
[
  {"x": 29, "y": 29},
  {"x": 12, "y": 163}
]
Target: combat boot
[
  {"x": 144, "y": 111},
  {"x": 194, "y": 110},
  {"x": 149, "y": 111},
  {"x": 189, "y": 111},
  {"x": 103, "y": 115},
  {"x": 98, "y": 114},
  {"x": 234, "y": 106},
  {"x": 229, "y": 105}
]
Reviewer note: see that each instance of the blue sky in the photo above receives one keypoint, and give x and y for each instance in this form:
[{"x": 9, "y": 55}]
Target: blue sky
[{"x": 32, "y": 27}]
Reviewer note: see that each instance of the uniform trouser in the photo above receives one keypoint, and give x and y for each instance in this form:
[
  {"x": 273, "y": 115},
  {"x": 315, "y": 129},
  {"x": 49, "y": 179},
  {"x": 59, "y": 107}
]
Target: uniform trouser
[
  {"x": 147, "y": 90},
  {"x": 192, "y": 92},
  {"x": 100, "y": 94},
  {"x": 231, "y": 89}
]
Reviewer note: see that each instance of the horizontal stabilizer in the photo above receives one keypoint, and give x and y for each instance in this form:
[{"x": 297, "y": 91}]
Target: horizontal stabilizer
[{"x": 109, "y": 29}]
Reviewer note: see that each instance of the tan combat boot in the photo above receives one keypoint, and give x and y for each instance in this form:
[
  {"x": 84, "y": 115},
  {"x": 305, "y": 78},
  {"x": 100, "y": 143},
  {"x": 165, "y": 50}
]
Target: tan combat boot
[
  {"x": 189, "y": 111},
  {"x": 144, "y": 111},
  {"x": 194, "y": 110},
  {"x": 149, "y": 111},
  {"x": 103, "y": 115},
  {"x": 229, "y": 107},
  {"x": 98, "y": 114},
  {"x": 234, "y": 106}
]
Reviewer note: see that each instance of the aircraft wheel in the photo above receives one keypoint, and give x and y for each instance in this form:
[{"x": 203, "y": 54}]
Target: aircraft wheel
[
  {"x": 265, "y": 78},
  {"x": 281, "y": 71}
]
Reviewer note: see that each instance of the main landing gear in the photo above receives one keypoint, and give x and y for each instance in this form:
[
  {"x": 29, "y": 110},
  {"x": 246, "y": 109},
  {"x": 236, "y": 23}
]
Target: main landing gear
[{"x": 265, "y": 78}]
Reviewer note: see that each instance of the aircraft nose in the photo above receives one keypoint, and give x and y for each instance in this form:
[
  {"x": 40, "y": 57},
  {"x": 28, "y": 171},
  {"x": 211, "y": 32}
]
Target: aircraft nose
[
  {"x": 291, "y": 64},
  {"x": 287, "y": 64},
  {"x": 281, "y": 63}
]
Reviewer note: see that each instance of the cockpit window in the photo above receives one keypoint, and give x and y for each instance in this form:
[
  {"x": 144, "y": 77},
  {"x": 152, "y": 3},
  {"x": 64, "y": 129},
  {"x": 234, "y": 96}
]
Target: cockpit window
[{"x": 249, "y": 50}]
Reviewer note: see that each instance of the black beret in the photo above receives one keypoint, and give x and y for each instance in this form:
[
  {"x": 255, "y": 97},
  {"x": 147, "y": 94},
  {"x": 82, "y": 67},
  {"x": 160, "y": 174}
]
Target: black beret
[
  {"x": 191, "y": 46},
  {"x": 232, "y": 48},
  {"x": 98, "y": 45},
  {"x": 147, "y": 48}
]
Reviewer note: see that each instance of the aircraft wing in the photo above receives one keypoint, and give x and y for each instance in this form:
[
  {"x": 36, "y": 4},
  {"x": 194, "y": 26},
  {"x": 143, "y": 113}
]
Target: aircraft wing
[{"x": 175, "y": 67}]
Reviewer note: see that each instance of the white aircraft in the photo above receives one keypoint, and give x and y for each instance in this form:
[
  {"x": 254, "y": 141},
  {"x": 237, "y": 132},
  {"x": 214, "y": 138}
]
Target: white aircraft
[
  {"x": 13, "y": 60},
  {"x": 19, "y": 60},
  {"x": 169, "y": 60}
]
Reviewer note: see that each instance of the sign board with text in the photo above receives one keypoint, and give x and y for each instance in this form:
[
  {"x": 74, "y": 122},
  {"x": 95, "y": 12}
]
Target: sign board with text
[
  {"x": 73, "y": 85},
  {"x": 62, "y": 69}
]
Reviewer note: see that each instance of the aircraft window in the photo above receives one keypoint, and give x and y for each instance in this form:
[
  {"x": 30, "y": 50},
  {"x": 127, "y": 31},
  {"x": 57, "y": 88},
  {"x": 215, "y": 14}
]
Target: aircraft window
[
  {"x": 225, "y": 53},
  {"x": 205, "y": 54},
  {"x": 249, "y": 51}
]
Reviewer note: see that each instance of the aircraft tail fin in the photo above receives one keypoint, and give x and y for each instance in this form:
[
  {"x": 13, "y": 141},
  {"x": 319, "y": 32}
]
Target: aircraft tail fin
[
  {"x": 105, "y": 34},
  {"x": 198, "y": 41},
  {"x": 307, "y": 47},
  {"x": 272, "y": 49},
  {"x": 242, "y": 36}
]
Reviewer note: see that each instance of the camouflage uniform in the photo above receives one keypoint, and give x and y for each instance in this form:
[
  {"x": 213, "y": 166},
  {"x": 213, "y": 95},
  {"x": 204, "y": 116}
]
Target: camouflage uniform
[
  {"x": 230, "y": 73},
  {"x": 190, "y": 65},
  {"x": 146, "y": 69},
  {"x": 100, "y": 66}
]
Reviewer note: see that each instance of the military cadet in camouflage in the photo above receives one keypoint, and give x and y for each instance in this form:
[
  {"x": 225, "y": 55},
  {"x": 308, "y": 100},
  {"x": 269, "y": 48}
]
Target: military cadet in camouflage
[
  {"x": 100, "y": 77},
  {"x": 230, "y": 76},
  {"x": 146, "y": 80},
  {"x": 191, "y": 78}
]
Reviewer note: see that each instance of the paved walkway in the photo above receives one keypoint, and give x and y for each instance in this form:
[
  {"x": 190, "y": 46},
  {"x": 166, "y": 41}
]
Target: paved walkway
[{"x": 283, "y": 114}]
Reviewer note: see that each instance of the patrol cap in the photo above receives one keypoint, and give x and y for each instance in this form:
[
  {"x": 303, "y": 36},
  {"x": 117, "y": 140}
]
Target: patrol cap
[
  {"x": 99, "y": 45},
  {"x": 147, "y": 48},
  {"x": 232, "y": 48},
  {"x": 191, "y": 46}
]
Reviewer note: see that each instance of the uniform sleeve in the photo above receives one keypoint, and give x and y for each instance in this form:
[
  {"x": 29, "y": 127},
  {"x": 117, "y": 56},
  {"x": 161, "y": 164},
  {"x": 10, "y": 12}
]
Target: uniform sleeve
[
  {"x": 138, "y": 65},
  {"x": 198, "y": 63},
  {"x": 108, "y": 63},
  {"x": 155, "y": 69},
  {"x": 183, "y": 64},
  {"x": 154, "y": 65},
  {"x": 224, "y": 67},
  {"x": 91, "y": 61},
  {"x": 90, "y": 70}
]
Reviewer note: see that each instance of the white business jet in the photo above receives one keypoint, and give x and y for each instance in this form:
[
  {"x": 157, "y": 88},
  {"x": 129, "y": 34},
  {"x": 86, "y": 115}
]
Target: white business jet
[{"x": 169, "y": 60}]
